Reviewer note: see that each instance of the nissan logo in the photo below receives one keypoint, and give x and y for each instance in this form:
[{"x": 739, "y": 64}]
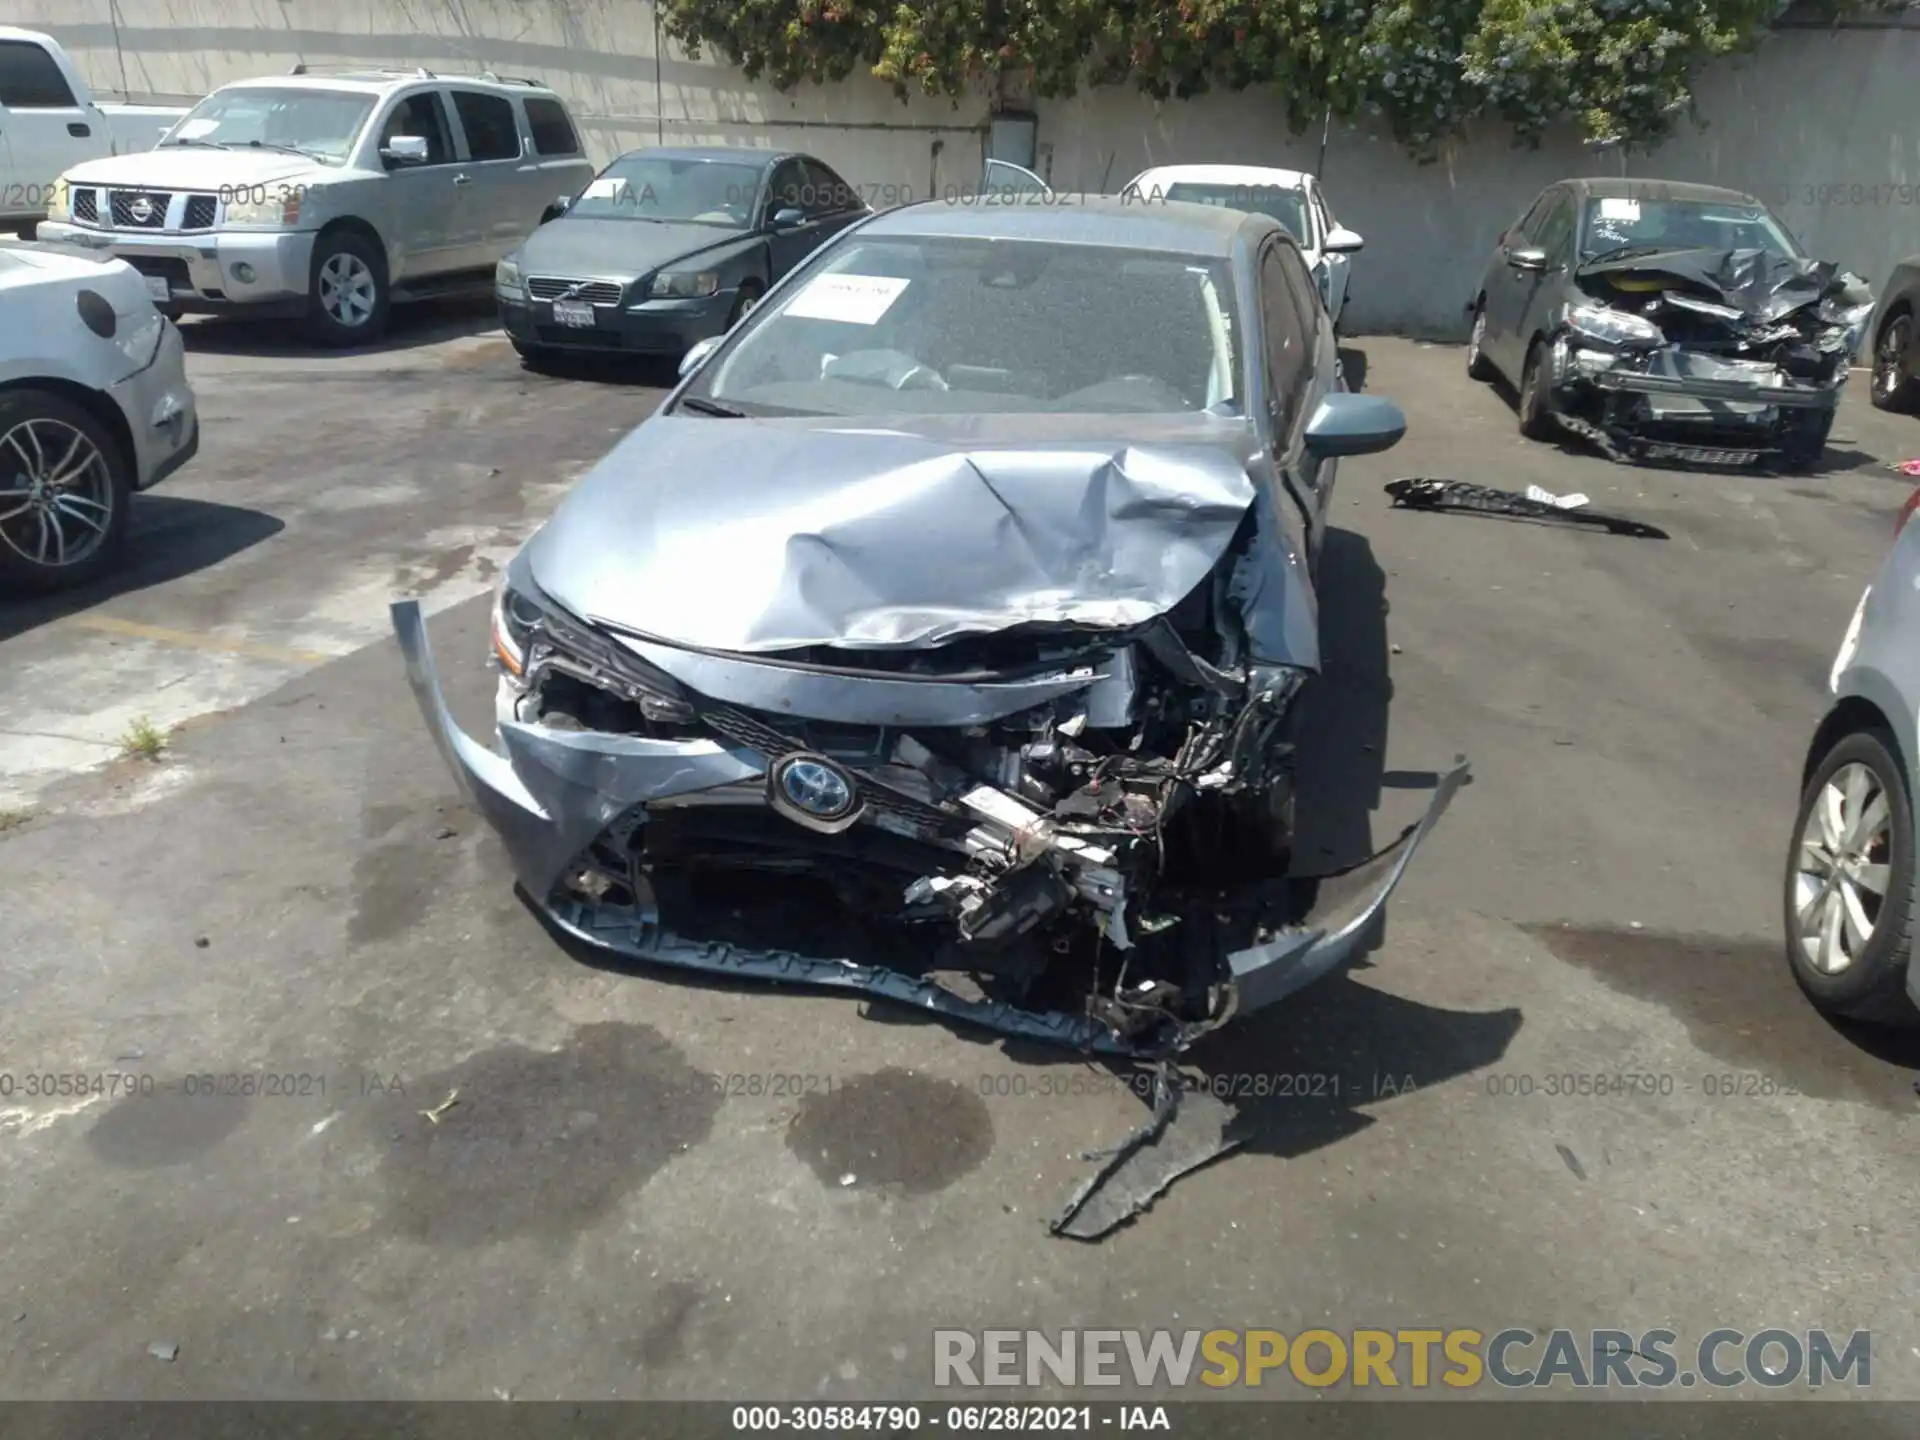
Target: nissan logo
[{"x": 141, "y": 209}]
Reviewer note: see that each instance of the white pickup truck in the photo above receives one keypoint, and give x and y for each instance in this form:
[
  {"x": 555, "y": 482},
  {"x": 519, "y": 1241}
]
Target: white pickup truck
[{"x": 50, "y": 122}]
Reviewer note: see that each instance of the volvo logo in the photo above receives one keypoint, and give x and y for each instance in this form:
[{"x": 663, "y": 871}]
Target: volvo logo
[
  {"x": 141, "y": 209},
  {"x": 814, "y": 791}
]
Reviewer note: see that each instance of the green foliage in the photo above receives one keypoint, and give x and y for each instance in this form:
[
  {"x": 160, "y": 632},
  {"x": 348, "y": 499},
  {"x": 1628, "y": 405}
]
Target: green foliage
[{"x": 1619, "y": 69}]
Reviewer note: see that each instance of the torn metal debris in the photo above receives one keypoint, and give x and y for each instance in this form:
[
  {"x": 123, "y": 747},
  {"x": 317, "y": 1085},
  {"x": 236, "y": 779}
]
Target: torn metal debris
[{"x": 1425, "y": 494}]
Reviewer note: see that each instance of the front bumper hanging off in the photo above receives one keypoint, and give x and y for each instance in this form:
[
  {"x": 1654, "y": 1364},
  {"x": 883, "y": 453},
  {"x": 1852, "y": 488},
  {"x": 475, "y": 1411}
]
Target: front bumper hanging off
[{"x": 554, "y": 792}]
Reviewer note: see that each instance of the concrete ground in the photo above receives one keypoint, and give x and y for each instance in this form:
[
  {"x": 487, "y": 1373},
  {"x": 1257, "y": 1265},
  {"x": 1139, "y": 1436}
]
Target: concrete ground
[{"x": 640, "y": 1186}]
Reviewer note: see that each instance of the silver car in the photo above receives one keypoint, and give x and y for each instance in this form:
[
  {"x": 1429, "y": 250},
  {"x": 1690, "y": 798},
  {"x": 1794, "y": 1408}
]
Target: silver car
[
  {"x": 94, "y": 405},
  {"x": 1850, "y": 878},
  {"x": 971, "y": 578}
]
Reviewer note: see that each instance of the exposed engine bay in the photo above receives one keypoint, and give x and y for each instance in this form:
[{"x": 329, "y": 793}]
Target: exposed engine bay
[
  {"x": 1713, "y": 356},
  {"x": 1099, "y": 854}
]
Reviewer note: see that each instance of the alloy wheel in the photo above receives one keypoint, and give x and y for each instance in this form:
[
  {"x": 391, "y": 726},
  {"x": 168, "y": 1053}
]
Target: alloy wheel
[
  {"x": 1890, "y": 363},
  {"x": 56, "y": 493},
  {"x": 1842, "y": 869},
  {"x": 348, "y": 292}
]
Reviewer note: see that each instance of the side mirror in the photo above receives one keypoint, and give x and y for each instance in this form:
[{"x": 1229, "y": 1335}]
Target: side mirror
[
  {"x": 1527, "y": 257},
  {"x": 1347, "y": 424},
  {"x": 789, "y": 217},
  {"x": 406, "y": 150},
  {"x": 558, "y": 208},
  {"x": 697, "y": 354},
  {"x": 1342, "y": 241}
]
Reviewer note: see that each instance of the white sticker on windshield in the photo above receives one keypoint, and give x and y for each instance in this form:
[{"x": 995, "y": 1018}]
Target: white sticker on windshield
[
  {"x": 1620, "y": 209},
  {"x": 194, "y": 129},
  {"x": 852, "y": 299},
  {"x": 606, "y": 188}
]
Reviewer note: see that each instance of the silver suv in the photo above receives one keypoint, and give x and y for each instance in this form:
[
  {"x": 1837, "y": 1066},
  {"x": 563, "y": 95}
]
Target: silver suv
[{"x": 329, "y": 197}]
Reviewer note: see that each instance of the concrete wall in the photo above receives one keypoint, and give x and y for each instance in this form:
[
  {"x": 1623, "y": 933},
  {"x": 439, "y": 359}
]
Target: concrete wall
[{"x": 1819, "y": 122}]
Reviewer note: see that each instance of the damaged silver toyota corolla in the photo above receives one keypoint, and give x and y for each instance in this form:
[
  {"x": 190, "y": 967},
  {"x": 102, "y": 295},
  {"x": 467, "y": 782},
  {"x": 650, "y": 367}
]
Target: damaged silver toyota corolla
[{"x": 970, "y": 578}]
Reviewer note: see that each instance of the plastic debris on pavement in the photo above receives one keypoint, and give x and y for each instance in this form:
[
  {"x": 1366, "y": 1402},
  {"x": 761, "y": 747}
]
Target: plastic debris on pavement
[{"x": 1419, "y": 493}]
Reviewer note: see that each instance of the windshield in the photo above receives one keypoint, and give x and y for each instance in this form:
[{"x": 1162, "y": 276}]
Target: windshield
[
  {"x": 1289, "y": 207},
  {"x": 322, "y": 124},
  {"x": 1683, "y": 225},
  {"x": 951, "y": 325},
  {"x": 654, "y": 187}
]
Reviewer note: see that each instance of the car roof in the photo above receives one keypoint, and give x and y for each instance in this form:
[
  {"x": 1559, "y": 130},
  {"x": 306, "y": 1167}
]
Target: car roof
[
  {"x": 1171, "y": 225},
  {"x": 381, "y": 82},
  {"x": 1622, "y": 188},
  {"x": 1261, "y": 175},
  {"x": 717, "y": 154}
]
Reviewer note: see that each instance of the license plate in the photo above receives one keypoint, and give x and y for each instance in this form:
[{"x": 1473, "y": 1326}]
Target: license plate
[
  {"x": 158, "y": 289},
  {"x": 1702, "y": 457},
  {"x": 577, "y": 313}
]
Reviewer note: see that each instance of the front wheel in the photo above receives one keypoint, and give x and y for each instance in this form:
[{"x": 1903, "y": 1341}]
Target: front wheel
[
  {"x": 537, "y": 358},
  {"x": 65, "y": 481},
  {"x": 749, "y": 297},
  {"x": 1893, "y": 388},
  {"x": 1849, "y": 884},
  {"x": 1478, "y": 366},
  {"x": 347, "y": 299},
  {"x": 1536, "y": 400},
  {"x": 1805, "y": 441}
]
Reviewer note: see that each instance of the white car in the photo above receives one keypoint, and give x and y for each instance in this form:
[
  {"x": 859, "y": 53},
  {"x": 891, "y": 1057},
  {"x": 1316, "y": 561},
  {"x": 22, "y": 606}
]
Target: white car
[
  {"x": 94, "y": 405},
  {"x": 50, "y": 121},
  {"x": 330, "y": 198},
  {"x": 1292, "y": 197}
]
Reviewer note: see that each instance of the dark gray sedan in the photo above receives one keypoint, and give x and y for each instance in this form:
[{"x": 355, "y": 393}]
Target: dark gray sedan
[
  {"x": 1664, "y": 321},
  {"x": 971, "y": 580},
  {"x": 667, "y": 247}
]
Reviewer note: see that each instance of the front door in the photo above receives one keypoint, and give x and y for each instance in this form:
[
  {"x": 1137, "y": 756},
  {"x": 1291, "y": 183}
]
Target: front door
[
  {"x": 789, "y": 190},
  {"x": 44, "y": 129},
  {"x": 430, "y": 210},
  {"x": 1286, "y": 354},
  {"x": 1337, "y": 266},
  {"x": 1510, "y": 289}
]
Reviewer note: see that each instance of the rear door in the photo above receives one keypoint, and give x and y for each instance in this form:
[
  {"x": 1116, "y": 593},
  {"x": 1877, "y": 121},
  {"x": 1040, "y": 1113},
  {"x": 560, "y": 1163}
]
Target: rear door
[
  {"x": 44, "y": 127},
  {"x": 560, "y": 165},
  {"x": 428, "y": 205},
  {"x": 502, "y": 209}
]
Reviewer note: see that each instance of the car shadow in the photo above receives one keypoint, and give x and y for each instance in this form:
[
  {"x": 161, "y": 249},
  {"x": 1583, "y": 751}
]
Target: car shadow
[
  {"x": 412, "y": 326},
  {"x": 655, "y": 372},
  {"x": 168, "y": 536}
]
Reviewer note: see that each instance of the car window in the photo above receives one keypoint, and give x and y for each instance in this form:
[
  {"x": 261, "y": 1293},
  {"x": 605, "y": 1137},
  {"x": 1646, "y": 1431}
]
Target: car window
[
  {"x": 1322, "y": 216},
  {"x": 1556, "y": 229},
  {"x": 824, "y": 192},
  {"x": 553, "y": 132},
  {"x": 648, "y": 186},
  {"x": 948, "y": 324},
  {"x": 323, "y": 124},
  {"x": 1287, "y": 206},
  {"x": 1285, "y": 339},
  {"x": 788, "y": 189},
  {"x": 1528, "y": 225},
  {"x": 492, "y": 132},
  {"x": 30, "y": 80},
  {"x": 421, "y": 115},
  {"x": 1612, "y": 223}
]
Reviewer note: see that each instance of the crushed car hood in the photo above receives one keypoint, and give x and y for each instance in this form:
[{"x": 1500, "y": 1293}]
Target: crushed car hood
[
  {"x": 1761, "y": 285},
  {"x": 755, "y": 536}
]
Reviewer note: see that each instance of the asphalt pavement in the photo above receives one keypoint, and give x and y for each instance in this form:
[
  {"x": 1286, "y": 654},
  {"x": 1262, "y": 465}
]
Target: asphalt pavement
[{"x": 471, "y": 1164}]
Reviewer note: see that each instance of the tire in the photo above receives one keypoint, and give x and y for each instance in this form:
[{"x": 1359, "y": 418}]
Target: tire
[
  {"x": 1478, "y": 366},
  {"x": 749, "y": 296},
  {"x": 45, "y": 437},
  {"x": 347, "y": 297},
  {"x": 1536, "y": 400},
  {"x": 1850, "y": 973},
  {"x": 1892, "y": 387},
  {"x": 171, "y": 312},
  {"x": 1805, "y": 441}
]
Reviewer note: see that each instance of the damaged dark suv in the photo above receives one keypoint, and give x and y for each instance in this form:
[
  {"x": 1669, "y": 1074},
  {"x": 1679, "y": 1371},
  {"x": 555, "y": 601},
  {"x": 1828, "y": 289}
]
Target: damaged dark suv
[
  {"x": 1663, "y": 321},
  {"x": 968, "y": 581}
]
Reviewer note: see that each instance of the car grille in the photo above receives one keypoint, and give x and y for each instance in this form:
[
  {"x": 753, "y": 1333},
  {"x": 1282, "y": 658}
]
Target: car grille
[
  {"x": 86, "y": 207},
  {"x": 130, "y": 213},
  {"x": 200, "y": 213},
  {"x": 594, "y": 292}
]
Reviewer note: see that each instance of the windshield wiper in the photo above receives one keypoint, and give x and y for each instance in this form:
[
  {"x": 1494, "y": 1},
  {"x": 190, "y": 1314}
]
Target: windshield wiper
[
  {"x": 210, "y": 144},
  {"x": 700, "y": 405},
  {"x": 1620, "y": 252},
  {"x": 285, "y": 149}
]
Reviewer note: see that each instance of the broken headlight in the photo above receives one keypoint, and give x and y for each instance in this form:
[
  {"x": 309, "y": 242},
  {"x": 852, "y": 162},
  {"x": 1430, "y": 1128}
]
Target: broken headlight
[
  {"x": 1847, "y": 324},
  {"x": 532, "y": 635},
  {"x": 515, "y": 616},
  {"x": 1611, "y": 327}
]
